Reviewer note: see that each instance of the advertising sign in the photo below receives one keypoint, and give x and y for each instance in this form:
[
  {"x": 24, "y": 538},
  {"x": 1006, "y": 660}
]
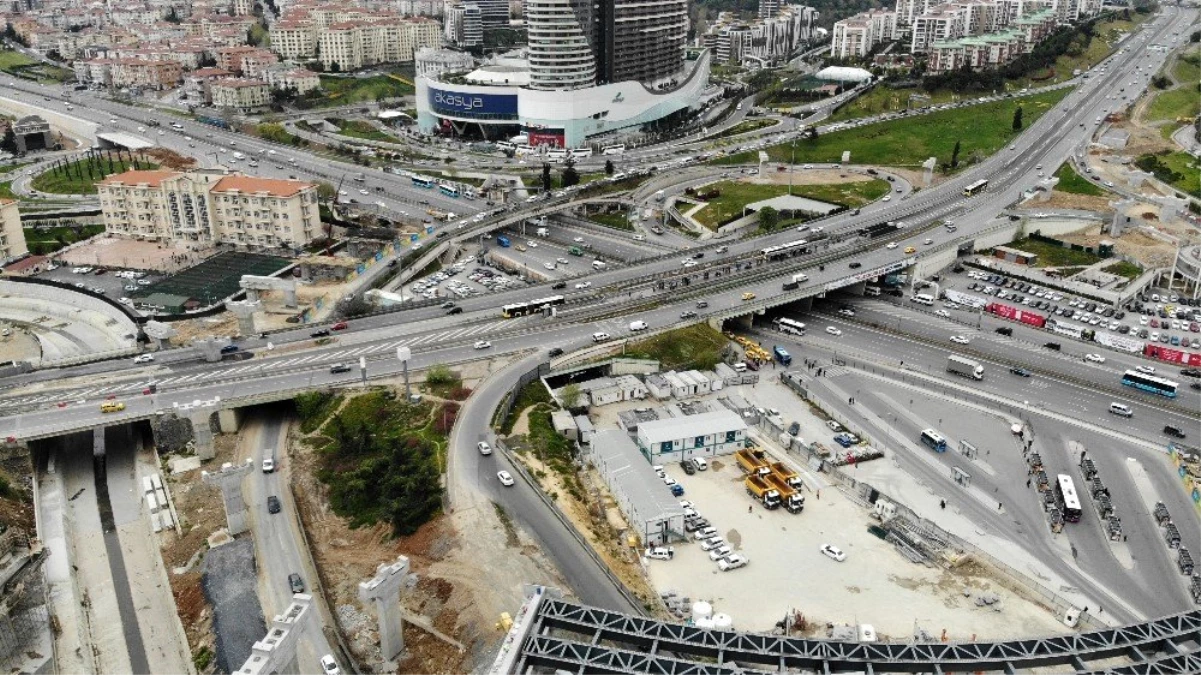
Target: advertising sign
[
  {"x": 1172, "y": 355},
  {"x": 473, "y": 105},
  {"x": 964, "y": 299},
  {"x": 1015, "y": 314},
  {"x": 1064, "y": 328},
  {"x": 552, "y": 139},
  {"x": 1120, "y": 342}
]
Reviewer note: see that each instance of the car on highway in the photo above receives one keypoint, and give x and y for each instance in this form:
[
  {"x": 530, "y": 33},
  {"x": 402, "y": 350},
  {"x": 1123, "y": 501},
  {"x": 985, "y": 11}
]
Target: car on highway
[
  {"x": 505, "y": 478},
  {"x": 559, "y": 285},
  {"x": 927, "y": 241},
  {"x": 886, "y": 198},
  {"x": 832, "y": 330},
  {"x": 144, "y": 358},
  {"x": 943, "y": 313},
  {"x": 273, "y": 504},
  {"x": 1150, "y": 370},
  {"x": 1094, "y": 358},
  {"x": 320, "y": 332},
  {"x": 1020, "y": 372},
  {"x": 855, "y": 265},
  {"x": 833, "y": 552},
  {"x": 847, "y": 311},
  {"x": 960, "y": 339},
  {"x": 688, "y": 314},
  {"x": 578, "y": 240},
  {"x": 481, "y": 344},
  {"x": 341, "y": 325},
  {"x": 1191, "y": 372},
  {"x": 112, "y": 406},
  {"x": 328, "y": 665},
  {"x": 891, "y": 245},
  {"x": 584, "y": 284},
  {"x": 748, "y": 296},
  {"x": 295, "y": 583},
  {"x": 339, "y": 368},
  {"x": 484, "y": 448},
  {"x": 702, "y": 304},
  {"x": 689, "y": 263},
  {"x": 910, "y": 249}
]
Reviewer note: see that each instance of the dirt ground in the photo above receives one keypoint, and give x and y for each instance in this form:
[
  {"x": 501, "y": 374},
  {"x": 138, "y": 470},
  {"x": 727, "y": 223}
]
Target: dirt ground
[
  {"x": 222, "y": 324},
  {"x": 200, "y": 514},
  {"x": 1067, "y": 200},
  {"x": 1149, "y": 251},
  {"x": 811, "y": 177},
  {"x": 17, "y": 510},
  {"x": 120, "y": 253}
]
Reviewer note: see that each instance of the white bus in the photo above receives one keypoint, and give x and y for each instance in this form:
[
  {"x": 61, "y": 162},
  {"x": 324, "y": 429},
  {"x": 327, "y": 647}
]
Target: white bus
[
  {"x": 975, "y": 188},
  {"x": 581, "y": 153},
  {"x": 557, "y": 153},
  {"x": 1065, "y": 489},
  {"x": 505, "y": 145},
  {"x": 786, "y": 325},
  {"x": 923, "y": 299},
  {"x": 613, "y": 149}
]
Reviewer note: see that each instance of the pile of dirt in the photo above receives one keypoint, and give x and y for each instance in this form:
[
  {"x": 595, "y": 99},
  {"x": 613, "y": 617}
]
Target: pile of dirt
[
  {"x": 220, "y": 325},
  {"x": 1067, "y": 200},
  {"x": 169, "y": 159},
  {"x": 1148, "y": 251},
  {"x": 17, "y": 509}
]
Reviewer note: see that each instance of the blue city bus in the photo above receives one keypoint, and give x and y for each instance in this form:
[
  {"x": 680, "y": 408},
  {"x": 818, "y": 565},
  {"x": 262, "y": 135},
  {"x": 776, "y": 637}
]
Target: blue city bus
[
  {"x": 422, "y": 181},
  {"x": 934, "y": 440},
  {"x": 449, "y": 190},
  {"x": 503, "y": 242},
  {"x": 1155, "y": 385},
  {"x": 782, "y": 356}
]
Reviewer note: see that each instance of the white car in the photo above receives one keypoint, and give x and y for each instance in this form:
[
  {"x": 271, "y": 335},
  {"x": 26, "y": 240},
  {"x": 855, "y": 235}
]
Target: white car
[
  {"x": 846, "y": 311},
  {"x": 959, "y": 339},
  {"x": 689, "y": 263},
  {"x": 833, "y": 552},
  {"x": 660, "y": 553},
  {"x": 833, "y": 330},
  {"x": 584, "y": 284},
  {"x": 364, "y": 192},
  {"x": 891, "y": 245},
  {"x": 532, "y": 244},
  {"x": 482, "y": 344},
  {"x": 329, "y": 666},
  {"x": 943, "y": 313},
  {"x": 720, "y": 552},
  {"x": 578, "y": 240},
  {"x": 1145, "y": 369},
  {"x": 886, "y": 198},
  {"x": 549, "y": 265},
  {"x": 600, "y": 337},
  {"x": 484, "y": 448},
  {"x": 563, "y": 261},
  {"x": 505, "y": 478},
  {"x": 144, "y": 358},
  {"x": 710, "y": 544},
  {"x": 1094, "y": 358},
  {"x": 732, "y": 563}
]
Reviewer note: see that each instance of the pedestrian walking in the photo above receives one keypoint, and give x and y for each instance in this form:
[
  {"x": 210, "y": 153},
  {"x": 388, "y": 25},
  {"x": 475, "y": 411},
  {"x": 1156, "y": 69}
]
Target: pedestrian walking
[
  {"x": 999, "y": 505},
  {"x": 1027, "y": 482},
  {"x": 943, "y": 505},
  {"x": 750, "y": 509}
]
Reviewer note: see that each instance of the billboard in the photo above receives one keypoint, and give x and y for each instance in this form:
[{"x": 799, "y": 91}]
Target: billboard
[
  {"x": 1120, "y": 342},
  {"x": 552, "y": 138},
  {"x": 972, "y": 301},
  {"x": 1172, "y": 355},
  {"x": 486, "y": 106},
  {"x": 1014, "y": 314},
  {"x": 1065, "y": 328}
]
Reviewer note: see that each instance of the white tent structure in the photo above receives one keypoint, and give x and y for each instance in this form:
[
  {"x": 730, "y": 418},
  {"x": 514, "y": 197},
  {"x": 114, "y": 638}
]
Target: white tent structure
[{"x": 844, "y": 74}]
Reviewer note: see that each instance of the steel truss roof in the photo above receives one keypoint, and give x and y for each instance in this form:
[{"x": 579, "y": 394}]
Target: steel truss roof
[{"x": 603, "y": 641}]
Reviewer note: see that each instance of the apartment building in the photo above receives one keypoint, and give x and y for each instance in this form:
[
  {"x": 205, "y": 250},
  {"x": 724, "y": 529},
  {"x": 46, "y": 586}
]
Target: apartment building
[
  {"x": 762, "y": 41},
  {"x": 210, "y": 208},
  {"x": 198, "y": 82},
  {"x": 142, "y": 73},
  {"x": 942, "y": 23},
  {"x": 432, "y": 62},
  {"x": 463, "y": 24},
  {"x": 12, "y": 237},
  {"x": 291, "y": 76},
  {"x": 857, "y": 36},
  {"x": 293, "y": 39},
  {"x": 992, "y": 50},
  {"x": 240, "y": 94},
  {"x": 357, "y": 44}
]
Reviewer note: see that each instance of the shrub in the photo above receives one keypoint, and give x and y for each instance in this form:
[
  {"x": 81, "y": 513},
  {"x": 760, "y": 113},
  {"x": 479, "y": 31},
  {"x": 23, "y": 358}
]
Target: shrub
[{"x": 440, "y": 375}]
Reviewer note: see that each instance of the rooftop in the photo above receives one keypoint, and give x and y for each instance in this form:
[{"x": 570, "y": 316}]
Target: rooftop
[
  {"x": 718, "y": 421},
  {"x": 150, "y": 178},
  {"x": 273, "y": 186}
]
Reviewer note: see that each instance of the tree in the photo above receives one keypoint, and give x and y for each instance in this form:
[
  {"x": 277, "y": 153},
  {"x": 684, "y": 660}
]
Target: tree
[
  {"x": 609, "y": 168},
  {"x": 955, "y": 156},
  {"x": 769, "y": 219},
  {"x": 545, "y": 177},
  {"x": 571, "y": 395},
  {"x": 326, "y": 192},
  {"x": 9, "y": 143},
  {"x": 1017, "y": 119},
  {"x": 570, "y": 175}
]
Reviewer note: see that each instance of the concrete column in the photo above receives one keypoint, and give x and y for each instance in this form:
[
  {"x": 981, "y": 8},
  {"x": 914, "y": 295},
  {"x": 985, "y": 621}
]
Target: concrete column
[
  {"x": 928, "y": 175},
  {"x": 276, "y": 652},
  {"x": 229, "y": 479},
  {"x": 290, "y": 296},
  {"x": 98, "y": 442},
  {"x": 245, "y": 311},
  {"x": 202, "y": 434},
  {"x": 228, "y": 420},
  {"x": 384, "y": 591}
]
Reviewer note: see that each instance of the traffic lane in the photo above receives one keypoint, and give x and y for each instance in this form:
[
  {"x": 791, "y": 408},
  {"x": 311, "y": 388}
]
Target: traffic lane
[{"x": 1037, "y": 392}]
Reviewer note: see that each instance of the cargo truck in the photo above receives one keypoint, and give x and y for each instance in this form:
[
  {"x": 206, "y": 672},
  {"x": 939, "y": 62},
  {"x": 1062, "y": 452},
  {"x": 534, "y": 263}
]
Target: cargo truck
[
  {"x": 751, "y": 464},
  {"x": 795, "y": 282},
  {"x": 762, "y": 492},
  {"x": 790, "y": 477},
  {"x": 792, "y": 500},
  {"x": 965, "y": 367}
]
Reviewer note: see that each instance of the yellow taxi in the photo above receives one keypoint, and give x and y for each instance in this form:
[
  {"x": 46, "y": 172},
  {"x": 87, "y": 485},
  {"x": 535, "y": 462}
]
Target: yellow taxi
[
  {"x": 112, "y": 406},
  {"x": 748, "y": 296},
  {"x": 910, "y": 249}
]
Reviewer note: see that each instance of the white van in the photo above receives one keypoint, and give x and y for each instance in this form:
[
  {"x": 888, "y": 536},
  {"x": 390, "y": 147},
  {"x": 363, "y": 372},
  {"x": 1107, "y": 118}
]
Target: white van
[
  {"x": 923, "y": 299},
  {"x": 637, "y": 325},
  {"x": 1121, "y": 409},
  {"x": 700, "y": 463},
  {"x": 739, "y": 367},
  {"x": 600, "y": 337},
  {"x": 598, "y": 264}
]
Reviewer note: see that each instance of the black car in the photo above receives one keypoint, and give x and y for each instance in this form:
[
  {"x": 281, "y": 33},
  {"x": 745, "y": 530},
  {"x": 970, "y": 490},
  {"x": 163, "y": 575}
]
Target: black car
[
  {"x": 273, "y": 504},
  {"x": 1005, "y": 330},
  {"x": 1172, "y": 431},
  {"x": 687, "y": 466},
  {"x": 895, "y": 292},
  {"x": 324, "y": 332},
  {"x": 295, "y": 583},
  {"x": 1053, "y": 346},
  {"x": 339, "y": 368},
  {"x": 855, "y": 265},
  {"x": 1020, "y": 371},
  {"x": 1191, "y": 372},
  {"x": 702, "y": 304},
  {"x": 555, "y": 351},
  {"x": 229, "y": 349},
  {"x": 559, "y": 285},
  {"x": 794, "y": 429},
  {"x": 454, "y": 310},
  {"x": 698, "y": 255}
]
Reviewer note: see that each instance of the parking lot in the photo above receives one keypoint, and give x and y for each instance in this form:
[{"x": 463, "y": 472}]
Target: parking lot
[
  {"x": 463, "y": 279},
  {"x": 1167, "y": 318},
  {"x": 116, "y": 284}
]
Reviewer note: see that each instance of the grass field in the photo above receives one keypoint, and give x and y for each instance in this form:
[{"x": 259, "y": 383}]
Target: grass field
[
  {"x": 79, "y": 177},
  {"x": 1070, "y": 181},
  {"x": 745, "y": 126},
  {"x": 1050, "y": 255},
  {"x": 363, "y": 130},
  {"x": 1188, "y": 67},
  {"x": 1125, "y": 269},
  {"x": 12, "y": 59},
  {"x": 6, "y": 190},
  {"x": 346, "y": 90},
  {"x": 735, "y": 196},
  {"x": 695, "y": 347},
  {"x": 1190, "y": 170},
  {"x": 908, "y": 142},
  {"x": 1182, "y": 101},
  {"x": 49, "y": 240},
  {"x": 617, "y": 221}
]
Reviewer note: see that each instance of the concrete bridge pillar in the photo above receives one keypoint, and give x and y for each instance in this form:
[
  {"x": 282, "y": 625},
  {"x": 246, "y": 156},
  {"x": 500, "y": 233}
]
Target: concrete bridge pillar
[
  {"x": 276, "y": 652},
  {"x": 98, "y": 442},
  {"x": 383, "y": 590},
  {"x": 229, "y": 479},
  {"x": 245, "y": 310},
  {"x": 202, "y": 434},
  {"x": 228, "y": 420}
]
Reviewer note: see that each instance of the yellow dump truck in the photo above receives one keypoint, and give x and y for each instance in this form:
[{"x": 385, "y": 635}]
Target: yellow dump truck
[{"x": 762, "y": 492}]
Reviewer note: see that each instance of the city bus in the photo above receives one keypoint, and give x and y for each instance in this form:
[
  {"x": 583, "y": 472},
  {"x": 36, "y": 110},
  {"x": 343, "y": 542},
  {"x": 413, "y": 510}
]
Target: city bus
[
  {"x": 422, "y": 181},
  {"x": 934, "y": 440},
  {"x": 613, "y": 149},
  {"x": 975, "y": 188},
  {"x": 782, "y": 355},
  {"x": 448, "y": 190},
  {"x": 523, "y": 308},
  {"x": 1151, "y": 383},
  {"x": 556, "y": 154},
  {"x": 786, "y": 325},
  {"x": 785, "y": 250},
  {"x": 581, "y": 153},
  {"x": 1065, "y": 491}
]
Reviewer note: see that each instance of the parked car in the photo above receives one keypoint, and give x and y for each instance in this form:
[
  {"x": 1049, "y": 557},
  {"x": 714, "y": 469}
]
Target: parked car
[
  {"x": 321, "y": 332},
  {"x": 833, "y": 552}
]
